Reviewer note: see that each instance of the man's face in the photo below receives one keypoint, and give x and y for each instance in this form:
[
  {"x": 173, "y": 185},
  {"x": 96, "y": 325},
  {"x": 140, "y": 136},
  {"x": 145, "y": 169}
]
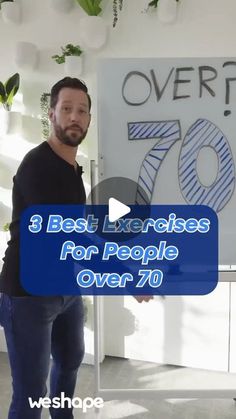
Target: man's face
[{"x": 71, "y": 117}]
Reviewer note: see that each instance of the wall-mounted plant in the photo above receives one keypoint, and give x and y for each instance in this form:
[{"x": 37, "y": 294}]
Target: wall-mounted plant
[
  {"x": 11, "y": 122},
  {"x": 92, "y": 28},
  {"x": 44, "y": 105},
  {"x": 71, "y": 57},
  {"x": 67, "y": 51},
  {"x": 91, "y": 7},
  {"x": 6, "y": 227},
  {"x": 8, "y": 91},
  {"x": 117, "y": 7}
]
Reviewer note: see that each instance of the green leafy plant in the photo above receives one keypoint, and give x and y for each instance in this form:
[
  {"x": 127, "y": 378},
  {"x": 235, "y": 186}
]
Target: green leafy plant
[
  {"x": 68, "y": 50},
  {"x": 117, "y": 7},
  {"x": 8, "y": 91},
  {"x": 6, "y": 227},
  {"x": 91, "y": 7},
  {"x": 44, "y": 105}
]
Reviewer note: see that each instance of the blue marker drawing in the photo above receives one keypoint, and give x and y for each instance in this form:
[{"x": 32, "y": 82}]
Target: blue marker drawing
[
  {"x": 206, "y": 133},
  {"x": 168, "y": 133}
]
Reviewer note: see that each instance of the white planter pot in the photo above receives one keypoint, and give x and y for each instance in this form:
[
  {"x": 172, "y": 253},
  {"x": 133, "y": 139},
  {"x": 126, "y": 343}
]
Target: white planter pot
[
  {"x": 73, "y": 65},
  {"x": 167, "y": 10},
  {"x": 26, "y": 57},
  {"x": 11, "y": 12},
  {"x": 62, "y": 6},
  {"x": 93, "y": 31},
  {"x": 10, "y": 122}
]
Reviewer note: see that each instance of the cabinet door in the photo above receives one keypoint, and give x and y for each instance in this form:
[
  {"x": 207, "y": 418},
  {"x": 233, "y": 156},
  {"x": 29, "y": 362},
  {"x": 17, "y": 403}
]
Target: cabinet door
[{"x": 187, "y": 331}]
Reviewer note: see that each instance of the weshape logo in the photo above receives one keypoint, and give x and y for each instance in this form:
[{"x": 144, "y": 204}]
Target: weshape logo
[{"x": 63, "y": 401}]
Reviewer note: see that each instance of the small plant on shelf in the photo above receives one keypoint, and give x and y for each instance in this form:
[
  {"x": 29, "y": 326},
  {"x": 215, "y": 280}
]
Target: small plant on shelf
[
  {"x": 68, "y": 50},
  {"x": 8, "y": 90}
]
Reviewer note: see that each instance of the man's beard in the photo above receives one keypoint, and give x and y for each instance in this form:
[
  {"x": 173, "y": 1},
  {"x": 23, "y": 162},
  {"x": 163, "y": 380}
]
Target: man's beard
[{"x": 74, "y": 139}]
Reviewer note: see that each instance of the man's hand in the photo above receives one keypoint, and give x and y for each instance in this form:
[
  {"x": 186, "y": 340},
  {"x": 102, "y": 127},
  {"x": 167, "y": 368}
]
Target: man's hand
[{"x": 141, "y": 298}]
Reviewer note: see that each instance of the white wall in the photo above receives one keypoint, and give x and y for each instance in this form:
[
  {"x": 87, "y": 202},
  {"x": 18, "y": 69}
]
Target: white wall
[{"x": 203, "y": 28}]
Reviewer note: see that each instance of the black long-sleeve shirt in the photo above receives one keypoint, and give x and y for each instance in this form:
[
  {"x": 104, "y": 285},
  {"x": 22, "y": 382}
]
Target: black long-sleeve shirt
[{"x": 43, "y": 177}]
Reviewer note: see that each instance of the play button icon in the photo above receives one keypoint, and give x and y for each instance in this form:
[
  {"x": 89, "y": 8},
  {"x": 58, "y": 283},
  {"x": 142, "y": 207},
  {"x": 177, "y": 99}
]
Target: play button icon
[
  {"x": 110, "y": 201},
  {"x": 117, "y": 209}
]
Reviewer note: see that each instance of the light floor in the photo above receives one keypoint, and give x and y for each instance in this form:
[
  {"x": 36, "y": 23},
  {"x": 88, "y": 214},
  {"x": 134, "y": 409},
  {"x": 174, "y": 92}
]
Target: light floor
[{"x": 121, "y": 373}]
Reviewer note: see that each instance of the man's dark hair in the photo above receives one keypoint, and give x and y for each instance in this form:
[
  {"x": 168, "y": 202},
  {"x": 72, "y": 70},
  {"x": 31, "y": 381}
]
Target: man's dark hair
[{"x": 70, "y": 82}]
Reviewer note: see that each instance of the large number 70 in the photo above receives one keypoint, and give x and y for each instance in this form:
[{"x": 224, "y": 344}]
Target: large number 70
[{"x": 201, "y": 134}]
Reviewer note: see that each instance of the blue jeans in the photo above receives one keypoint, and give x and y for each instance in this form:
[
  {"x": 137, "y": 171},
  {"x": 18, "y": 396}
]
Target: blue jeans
[{"x": 36, "y": 327}]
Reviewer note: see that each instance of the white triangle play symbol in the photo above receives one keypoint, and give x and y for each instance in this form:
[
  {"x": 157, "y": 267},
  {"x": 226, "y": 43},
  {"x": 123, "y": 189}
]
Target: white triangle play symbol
[{"x": 117, "y": 209}]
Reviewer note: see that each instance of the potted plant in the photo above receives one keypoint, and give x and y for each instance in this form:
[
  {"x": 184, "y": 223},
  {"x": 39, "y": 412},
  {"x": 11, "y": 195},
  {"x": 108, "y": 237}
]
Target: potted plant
[
  {"x": 8, "y": 90},
  {"x": 11, "y": 11},
  {"x": 167, "y": 9},
  {"x": 93, "y": 30},
  {"x": 11, "y": 121},
  {"x": 71, "y": 58}
]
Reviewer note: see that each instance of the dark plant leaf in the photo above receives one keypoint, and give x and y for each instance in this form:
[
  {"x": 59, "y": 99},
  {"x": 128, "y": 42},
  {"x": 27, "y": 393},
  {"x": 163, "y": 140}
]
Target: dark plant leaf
[{"x": 12, "y": 84}]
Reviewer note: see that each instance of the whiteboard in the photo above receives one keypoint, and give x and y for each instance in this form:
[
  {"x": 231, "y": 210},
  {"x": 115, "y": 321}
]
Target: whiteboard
[{"x": 170, "y": 125}]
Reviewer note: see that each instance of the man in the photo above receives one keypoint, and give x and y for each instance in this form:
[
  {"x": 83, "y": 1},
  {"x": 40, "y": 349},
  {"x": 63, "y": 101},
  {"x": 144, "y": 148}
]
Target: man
[{"x": 37, "y": 326}]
